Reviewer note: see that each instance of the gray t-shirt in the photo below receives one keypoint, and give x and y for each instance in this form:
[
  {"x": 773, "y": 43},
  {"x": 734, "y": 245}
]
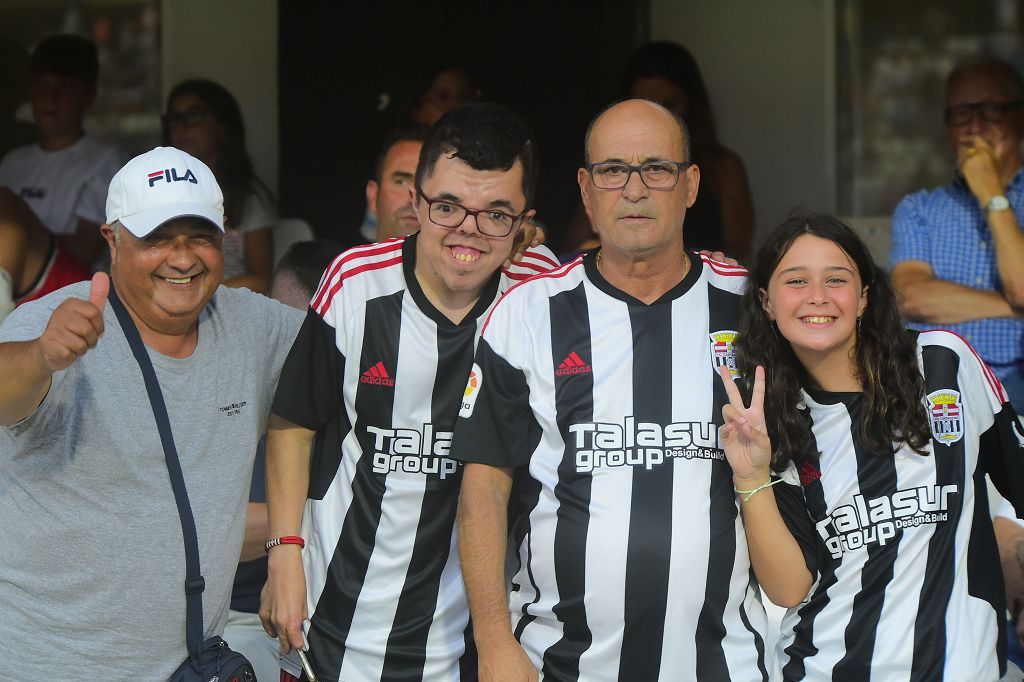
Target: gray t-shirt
[{"x": 93, "y": 567}]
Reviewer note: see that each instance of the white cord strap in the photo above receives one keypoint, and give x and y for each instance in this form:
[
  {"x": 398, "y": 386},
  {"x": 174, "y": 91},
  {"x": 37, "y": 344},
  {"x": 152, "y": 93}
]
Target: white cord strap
[{"x": 751, "y": 493}]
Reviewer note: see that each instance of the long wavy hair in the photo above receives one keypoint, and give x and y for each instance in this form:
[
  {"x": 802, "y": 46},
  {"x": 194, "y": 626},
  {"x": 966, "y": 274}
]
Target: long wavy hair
[
  {"x": 675, "y": 63},
  {"x": 886, "y": 353},
  {"x": 234, "y": 168}
]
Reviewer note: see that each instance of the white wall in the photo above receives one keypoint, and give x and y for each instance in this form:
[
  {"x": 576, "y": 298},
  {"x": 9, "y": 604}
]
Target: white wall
[
  {"x": 770, "y": 71},
  {"x": 233, "y": 42}
]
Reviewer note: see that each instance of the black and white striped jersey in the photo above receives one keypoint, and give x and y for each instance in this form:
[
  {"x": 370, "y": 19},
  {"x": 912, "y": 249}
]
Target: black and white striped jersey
[
  {"x": 631, "y": 559},
  {"x": 908, "y": 578},
  {"x": 379, "y": 373}
]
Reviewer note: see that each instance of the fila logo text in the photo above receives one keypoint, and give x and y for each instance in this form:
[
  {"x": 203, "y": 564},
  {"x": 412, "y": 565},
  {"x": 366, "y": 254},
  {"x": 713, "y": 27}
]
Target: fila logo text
[{"x": 171, "y": 175}]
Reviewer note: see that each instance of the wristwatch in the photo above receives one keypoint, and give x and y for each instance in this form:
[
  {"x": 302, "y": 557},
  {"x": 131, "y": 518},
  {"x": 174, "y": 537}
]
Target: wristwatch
[{"x": 997, "y": 203}]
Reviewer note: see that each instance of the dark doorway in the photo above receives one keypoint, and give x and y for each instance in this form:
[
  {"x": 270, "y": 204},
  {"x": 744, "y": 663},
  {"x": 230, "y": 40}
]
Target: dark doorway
[{"x": 348, "y": 71}]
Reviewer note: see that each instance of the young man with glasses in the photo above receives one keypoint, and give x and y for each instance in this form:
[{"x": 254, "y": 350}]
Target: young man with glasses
[
  {"x": 589, "y": 435},
  {"x": 377, "y": 376},
  {"x": 957, "y": 254}
]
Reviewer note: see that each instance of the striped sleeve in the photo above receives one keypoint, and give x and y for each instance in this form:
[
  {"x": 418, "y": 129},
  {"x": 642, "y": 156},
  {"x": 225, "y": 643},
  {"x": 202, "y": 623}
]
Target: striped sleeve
[
  {"x": 1001, "y": 447},
  {"x": 789, "y": 497},
  {"x": 309, "y": 392}
]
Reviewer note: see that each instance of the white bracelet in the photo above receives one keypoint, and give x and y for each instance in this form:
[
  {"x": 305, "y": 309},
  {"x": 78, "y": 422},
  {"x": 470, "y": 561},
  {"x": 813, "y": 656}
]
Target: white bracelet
[{"x": 751, "y": 493}]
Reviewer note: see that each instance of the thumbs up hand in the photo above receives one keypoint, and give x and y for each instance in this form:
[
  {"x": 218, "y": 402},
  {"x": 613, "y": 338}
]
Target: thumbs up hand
[{"x": 75, "y": 326}]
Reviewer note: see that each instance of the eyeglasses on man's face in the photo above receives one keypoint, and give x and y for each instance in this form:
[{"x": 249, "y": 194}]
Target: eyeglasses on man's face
[
  {"x": 654, "y": 174},
  {"x": 993, "y": 112},
  {"x": 489, "y": 222},
  {"x": 192, "y": 116}
]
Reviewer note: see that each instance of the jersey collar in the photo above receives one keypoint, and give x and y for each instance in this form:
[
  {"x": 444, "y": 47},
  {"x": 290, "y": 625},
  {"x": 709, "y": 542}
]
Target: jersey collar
[{"x": 487, "y": 295}]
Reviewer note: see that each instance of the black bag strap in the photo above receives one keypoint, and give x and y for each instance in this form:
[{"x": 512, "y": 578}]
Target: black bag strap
[{"x": 194, "y": 582}]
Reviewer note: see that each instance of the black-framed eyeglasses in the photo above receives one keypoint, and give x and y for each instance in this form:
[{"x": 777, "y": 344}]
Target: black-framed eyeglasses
[
  {"x": 654, "y": 174},
  {"x": 192, "y": 116},
  {"x": 489, "y": 221},
  {"x": 990, "y": 111}
]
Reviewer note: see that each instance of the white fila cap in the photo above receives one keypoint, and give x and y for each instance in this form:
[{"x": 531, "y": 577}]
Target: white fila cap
[{"x": 160, "y": 185}]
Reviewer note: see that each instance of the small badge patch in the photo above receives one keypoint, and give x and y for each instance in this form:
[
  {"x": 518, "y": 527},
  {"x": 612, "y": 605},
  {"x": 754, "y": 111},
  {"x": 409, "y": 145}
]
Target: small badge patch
[
  {"x": 476, "y": 378},
  {"x": 947, "y": 416},
  {"x": 722, "y": 352}
]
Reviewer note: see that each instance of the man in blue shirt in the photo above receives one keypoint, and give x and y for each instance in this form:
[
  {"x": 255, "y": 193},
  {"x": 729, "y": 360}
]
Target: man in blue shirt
[{"x": 957, "y": 256}]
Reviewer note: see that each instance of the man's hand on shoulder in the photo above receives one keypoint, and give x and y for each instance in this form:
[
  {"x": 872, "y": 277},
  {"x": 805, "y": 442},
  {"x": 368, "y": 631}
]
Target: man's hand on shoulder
[
  {"x": 75, "y": 326},
  {"x": 532, "y": 235}
]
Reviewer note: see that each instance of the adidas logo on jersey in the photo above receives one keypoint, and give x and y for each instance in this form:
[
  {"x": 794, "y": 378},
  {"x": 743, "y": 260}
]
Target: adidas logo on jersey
[
  {"x": 377, "y": 376},
  {"x": 573, "y": 364}
]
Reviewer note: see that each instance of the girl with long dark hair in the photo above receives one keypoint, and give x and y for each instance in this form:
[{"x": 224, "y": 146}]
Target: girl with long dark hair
[
  {"x": 859, "y": 468},
  {"x": 204, "y": 120}
]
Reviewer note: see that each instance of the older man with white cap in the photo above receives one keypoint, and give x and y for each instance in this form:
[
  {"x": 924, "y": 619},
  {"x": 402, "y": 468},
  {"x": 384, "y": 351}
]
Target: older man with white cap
[{"x": 91, "y": 584}]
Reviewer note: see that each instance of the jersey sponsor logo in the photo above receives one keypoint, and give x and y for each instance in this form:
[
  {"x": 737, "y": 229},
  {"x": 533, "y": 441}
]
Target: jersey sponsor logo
[
  {"x": 647, "y": 444},
  {"x": 171, "y": 175},
  {"x": 413, "y": 451},
  {"x": 946, "y": 414},
  {"x": 722, "y": 352},
  {"x": 377, "y": 376},
  {"x": 875, "y": 521},
  {"x": 32, "y": 192},
  {"x": 476, "y": 377},
  {"x": 573, "y": 364}
]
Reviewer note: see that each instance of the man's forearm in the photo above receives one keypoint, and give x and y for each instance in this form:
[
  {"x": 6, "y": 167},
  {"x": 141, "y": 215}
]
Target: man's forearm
[
  {"x": 1008, "y": 244},
  {"x": 483, "y": 532},
  {"x": 939, "y": 301},
  {"x": 24, "y": 381},
  {"x": 288, "y": 447}
]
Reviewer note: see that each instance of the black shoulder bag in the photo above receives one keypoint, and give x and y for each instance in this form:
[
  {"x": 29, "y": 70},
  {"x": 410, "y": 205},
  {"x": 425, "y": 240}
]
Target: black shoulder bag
[{"x": 210, "y": 660}]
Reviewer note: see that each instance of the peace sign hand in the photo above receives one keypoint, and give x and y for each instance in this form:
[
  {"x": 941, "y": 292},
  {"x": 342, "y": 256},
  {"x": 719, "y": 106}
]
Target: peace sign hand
[{"x": 744, "y": 435}]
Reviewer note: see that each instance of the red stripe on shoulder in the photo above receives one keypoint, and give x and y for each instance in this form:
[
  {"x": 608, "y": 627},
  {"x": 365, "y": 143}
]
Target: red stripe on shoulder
[
  {"x": 347, "y": 257},
  {"x": 373, "y": 265},
  {"x": 543, "y": 258},
  {"x": 550, "y": 274},
  {"x": 724, "y": 268},
  {"x": 993, "y": 381}
]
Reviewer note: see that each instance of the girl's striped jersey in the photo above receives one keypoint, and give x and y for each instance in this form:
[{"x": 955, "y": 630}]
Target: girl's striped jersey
[
  {"x": 379, "y": 373},
  {"x": 908, "y": 579},
  {"x": 631, "y": 561}
]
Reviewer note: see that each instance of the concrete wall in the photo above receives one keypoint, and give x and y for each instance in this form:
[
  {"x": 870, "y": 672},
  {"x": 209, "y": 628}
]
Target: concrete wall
[
  {"x": 770, "y": 71},
  {"x": 233, "y": 42}
]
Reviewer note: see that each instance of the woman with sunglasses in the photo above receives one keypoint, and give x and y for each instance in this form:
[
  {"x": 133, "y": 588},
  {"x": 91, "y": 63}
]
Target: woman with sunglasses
[
  {"x": 859, "y": 469},
  {"x": 204, "y": 120}
]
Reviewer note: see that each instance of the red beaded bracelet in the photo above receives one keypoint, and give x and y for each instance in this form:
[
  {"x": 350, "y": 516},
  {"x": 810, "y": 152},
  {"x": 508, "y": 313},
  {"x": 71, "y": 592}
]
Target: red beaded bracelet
[{"x": 286, "y": 540}]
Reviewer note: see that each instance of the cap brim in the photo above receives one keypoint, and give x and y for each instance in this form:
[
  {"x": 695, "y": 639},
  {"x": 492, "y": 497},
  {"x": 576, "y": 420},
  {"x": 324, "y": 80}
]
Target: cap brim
[{"x": 142, "y": 223}]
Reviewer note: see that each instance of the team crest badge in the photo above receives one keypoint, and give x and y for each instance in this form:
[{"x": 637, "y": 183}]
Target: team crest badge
[
  {"x": 947, "y": 416},
  {"x": 476, "y": 377},
  {"x": 722, "y": 352}
]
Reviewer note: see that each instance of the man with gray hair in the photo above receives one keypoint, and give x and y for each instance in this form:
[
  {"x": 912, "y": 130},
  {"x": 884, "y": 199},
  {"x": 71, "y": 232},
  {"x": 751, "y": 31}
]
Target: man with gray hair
[
  {"x": 957, "y": 254},
  {"x": 92, "y": 583}
]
